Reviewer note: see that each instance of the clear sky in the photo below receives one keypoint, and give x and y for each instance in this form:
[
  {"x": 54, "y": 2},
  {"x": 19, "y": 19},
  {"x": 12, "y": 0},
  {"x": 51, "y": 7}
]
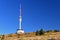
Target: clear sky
[{"x": 36, "y": 14}]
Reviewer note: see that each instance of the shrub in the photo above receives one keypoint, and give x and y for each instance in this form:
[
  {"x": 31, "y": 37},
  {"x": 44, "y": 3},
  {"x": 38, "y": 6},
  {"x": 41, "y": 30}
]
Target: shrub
[
  {"x": 37, "y": 32},
  {"x": 49, "y": 31},
  {"x": 56, "y": 30},
  {"x": 2, "y": 37}
]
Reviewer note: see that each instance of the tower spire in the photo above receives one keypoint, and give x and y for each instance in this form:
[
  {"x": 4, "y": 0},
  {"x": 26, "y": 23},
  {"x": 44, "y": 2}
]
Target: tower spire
[{"x": 20, "y": 10}]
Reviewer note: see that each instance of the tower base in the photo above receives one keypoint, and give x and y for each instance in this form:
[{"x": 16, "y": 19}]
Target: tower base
[{"x": 20, "y": 31}]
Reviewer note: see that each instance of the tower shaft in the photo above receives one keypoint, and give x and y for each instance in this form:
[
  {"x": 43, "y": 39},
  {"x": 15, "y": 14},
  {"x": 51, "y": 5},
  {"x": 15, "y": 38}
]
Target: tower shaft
[
  {"x": 20, "y": 18},
  {"x": 20, "y": 22}
]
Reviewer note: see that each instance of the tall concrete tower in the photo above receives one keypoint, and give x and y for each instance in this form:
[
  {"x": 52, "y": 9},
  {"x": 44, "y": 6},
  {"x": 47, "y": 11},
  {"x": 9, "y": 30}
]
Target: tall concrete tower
[{"x": 20, "y": 30}]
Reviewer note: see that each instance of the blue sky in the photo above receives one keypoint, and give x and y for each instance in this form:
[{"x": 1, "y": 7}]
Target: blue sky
[{"x": 36, "y": 14}]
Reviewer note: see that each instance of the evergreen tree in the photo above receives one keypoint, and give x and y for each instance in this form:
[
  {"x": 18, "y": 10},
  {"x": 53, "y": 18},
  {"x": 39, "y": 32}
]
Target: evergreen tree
[{"x": 41, "y": 32}]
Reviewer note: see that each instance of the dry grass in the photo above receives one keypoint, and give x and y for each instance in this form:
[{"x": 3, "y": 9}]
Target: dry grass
[{"x": 32, "y": 36}]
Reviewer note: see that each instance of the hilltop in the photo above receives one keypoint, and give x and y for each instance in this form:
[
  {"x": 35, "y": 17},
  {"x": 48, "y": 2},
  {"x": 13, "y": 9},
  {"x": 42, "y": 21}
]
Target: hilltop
[{"x": 31, "y": 36}]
